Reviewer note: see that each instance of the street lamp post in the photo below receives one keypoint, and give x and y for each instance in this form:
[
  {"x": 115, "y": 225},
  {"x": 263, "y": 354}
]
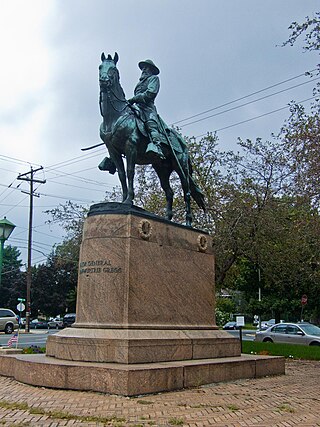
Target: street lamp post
[{"x": 6, "y": 228}]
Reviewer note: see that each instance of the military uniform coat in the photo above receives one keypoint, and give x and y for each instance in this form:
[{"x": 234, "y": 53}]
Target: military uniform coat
[{"x": 144, "y": 95}]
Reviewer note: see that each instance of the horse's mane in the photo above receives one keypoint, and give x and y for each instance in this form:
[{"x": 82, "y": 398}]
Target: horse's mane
[{"x": 118, "y": 91}]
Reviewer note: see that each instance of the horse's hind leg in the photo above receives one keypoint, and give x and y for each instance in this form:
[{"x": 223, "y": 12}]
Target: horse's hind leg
[{"x": 163, "y": 173}]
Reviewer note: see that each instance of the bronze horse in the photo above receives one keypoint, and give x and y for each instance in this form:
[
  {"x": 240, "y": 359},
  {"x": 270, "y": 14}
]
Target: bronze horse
[{"x": 123, "y": 135}]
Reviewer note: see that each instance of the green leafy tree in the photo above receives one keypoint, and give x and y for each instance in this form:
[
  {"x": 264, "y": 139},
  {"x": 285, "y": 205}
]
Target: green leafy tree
[
  {"x": 309, "y": 29},
  {"x": 53, "y": 284},
  {"x": 13, "y": 282},
  {"x": 300, "y": 133}
]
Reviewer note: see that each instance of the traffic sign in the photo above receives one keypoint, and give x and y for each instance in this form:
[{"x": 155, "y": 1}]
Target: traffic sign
[
  {"x": 21, "y": 299},
  {"x": 21, "y": 307},
  {"x": 240, "y": 320},
  {"x": 304, "y": 299}
]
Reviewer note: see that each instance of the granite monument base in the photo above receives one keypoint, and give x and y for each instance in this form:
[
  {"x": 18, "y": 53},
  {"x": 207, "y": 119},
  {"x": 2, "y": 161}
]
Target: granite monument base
[
  {"x": 145, "y": 293},
  {"x": 145, "y": 314},
  {"x": 135, "y": 379}
]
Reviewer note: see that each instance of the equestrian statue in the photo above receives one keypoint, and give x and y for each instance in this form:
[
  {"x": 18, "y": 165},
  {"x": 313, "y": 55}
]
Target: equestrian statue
[{"x": 133, "y": 129}]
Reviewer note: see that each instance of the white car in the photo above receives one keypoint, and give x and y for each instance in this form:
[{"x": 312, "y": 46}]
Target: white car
[
  {"x": 56, "y": 323},
  {"x": 8, "y": 321},
  {"x": 291, "y": 333}
]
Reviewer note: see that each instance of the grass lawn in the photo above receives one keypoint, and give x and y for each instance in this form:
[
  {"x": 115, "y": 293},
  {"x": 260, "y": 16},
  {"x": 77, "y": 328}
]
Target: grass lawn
[{"x": 287, "y": 350}]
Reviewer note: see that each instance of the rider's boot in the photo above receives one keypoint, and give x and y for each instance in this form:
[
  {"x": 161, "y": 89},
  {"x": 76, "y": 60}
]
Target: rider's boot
[{"x": 154, "y": 146}]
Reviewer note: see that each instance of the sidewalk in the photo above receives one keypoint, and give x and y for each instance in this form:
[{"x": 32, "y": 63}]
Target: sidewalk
[{"x": 289, "y": 400}]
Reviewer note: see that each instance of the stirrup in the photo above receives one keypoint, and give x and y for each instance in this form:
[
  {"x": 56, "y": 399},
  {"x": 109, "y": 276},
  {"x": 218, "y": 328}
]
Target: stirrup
[{"x": 152, "y": 148}]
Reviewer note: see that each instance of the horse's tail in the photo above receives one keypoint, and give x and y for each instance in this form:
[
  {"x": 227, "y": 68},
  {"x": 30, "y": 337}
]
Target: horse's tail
[
  {"x": 197, "y": 194},
  {"x": 195, "y": 191}
]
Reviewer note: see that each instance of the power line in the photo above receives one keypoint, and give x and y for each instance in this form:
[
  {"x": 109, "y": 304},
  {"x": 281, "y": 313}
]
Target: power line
[
  {"x": 248, "y": 103},
  {"x": 67, "y": 198},
  {"x": 254, "y": 118},
  {"x": 74, "y": 160},
  {"x": 34, "y": 243},
  {"x": 14, "y": 206},
  {"x": 15, "y": 160},
  {"x": 243, "y": 97}
]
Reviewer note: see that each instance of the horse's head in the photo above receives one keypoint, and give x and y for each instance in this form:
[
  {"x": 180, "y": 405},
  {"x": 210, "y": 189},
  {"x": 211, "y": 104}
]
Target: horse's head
[{"x": 108, "y": 72}]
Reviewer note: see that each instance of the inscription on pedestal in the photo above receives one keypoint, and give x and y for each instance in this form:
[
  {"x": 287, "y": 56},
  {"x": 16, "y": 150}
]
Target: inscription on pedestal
[{"x": 98, "y": 266}]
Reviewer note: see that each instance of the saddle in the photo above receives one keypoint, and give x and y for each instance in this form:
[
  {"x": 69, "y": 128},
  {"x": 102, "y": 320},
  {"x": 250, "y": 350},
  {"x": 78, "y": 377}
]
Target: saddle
[{"x": 176, "y": 141}]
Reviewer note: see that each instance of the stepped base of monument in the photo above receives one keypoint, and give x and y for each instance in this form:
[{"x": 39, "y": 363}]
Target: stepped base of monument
[
  {"x": 141, "y": 345},
  {"x": 135, "y": 379}
]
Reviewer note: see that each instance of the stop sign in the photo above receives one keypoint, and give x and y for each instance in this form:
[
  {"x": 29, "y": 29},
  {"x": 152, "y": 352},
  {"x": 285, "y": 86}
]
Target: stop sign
[{"x": 304, "y": 299}]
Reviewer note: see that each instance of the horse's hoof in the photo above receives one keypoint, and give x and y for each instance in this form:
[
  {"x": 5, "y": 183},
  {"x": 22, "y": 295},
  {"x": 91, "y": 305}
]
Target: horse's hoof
[
  {"x": 189, "y": 222},
  {"x": 128, "y": 202}
]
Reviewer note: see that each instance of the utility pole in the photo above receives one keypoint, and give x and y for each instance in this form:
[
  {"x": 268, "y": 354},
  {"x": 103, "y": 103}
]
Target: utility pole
[{"x": 28, "y": 176}]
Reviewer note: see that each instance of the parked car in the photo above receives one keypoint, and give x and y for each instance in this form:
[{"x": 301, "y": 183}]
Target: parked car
[
  {"x": 230, "y": 325},
  {"x": 69, "y": 319},
  {"x": 291, "y": 333},
  {"x": 8, "y": 321},
  {"x": 39, "y": 324},
  {"x": 56, "y": 323}
]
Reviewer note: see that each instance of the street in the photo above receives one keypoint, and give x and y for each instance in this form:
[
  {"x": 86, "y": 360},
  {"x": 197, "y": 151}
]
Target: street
[
  {"x": 39, "y": 337},
  {"x": 35, "y": 338},
  {"x": 247, "y": 335}
]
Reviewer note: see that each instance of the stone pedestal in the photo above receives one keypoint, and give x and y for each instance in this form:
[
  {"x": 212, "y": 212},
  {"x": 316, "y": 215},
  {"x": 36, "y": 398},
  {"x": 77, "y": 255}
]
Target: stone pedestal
[
  {"x": 145, "y": 293},
  {"x": 145, "y": 314}
]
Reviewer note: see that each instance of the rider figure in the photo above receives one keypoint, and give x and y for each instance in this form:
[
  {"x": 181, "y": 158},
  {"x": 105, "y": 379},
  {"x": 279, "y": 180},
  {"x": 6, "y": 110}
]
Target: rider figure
[{"x": 145, "y": 93}]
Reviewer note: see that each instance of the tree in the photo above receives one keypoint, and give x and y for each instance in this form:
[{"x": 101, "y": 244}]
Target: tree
[
  {"x": 256, "y": 220},
  {"x": 310, "y": 28},
  {"x": 300, "y": 133},
  {"x": 13, "y": 284},
  {"x": 53, "y": 284}
]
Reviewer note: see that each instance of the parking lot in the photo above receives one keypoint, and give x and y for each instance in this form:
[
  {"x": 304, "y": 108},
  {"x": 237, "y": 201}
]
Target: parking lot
[{"x": 289, "y": 400}]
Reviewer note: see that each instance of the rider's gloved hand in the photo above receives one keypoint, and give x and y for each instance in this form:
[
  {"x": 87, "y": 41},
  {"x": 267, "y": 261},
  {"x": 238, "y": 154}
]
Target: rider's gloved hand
[{"x": 131, "y": 100}]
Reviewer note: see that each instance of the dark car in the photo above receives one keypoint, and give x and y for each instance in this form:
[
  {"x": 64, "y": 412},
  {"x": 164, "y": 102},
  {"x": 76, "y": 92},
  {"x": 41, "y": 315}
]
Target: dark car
[
  {"x": 230, "y": 325},
  {"x": 69, "y": 319},
  {"x": 291, "y": 333},
  {"x": 39, "y": 324}
]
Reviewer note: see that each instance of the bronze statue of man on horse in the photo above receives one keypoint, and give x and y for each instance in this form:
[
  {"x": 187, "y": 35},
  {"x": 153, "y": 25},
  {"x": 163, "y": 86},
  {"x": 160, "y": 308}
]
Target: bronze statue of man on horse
[{"x": 134, "y": 130}]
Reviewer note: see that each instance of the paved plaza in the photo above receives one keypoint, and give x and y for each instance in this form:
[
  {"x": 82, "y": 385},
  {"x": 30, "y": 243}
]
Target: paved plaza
[{"x": 289, "y": 400}]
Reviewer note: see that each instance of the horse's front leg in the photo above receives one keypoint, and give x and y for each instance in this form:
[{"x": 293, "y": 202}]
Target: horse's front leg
[{"x": 117, "y": 159}]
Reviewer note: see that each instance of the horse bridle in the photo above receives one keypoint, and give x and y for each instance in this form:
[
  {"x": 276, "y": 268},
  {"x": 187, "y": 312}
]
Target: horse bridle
[{"x": 109, "y": 91}]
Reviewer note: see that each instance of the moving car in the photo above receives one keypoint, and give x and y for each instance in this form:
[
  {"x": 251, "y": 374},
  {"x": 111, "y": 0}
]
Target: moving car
[
  {"x": 230, "y": 325},
  {"x": 69, "y": 319},
  {"x": 291, "y": 333},
  {"x": 8, "y": 321}
]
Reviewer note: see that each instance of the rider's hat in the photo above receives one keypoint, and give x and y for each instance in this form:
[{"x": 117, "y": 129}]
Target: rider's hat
[{"x": 155, "y": 69}]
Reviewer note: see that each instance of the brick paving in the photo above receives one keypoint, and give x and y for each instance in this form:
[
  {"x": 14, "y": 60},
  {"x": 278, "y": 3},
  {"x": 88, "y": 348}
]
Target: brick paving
[{"x": 285, "y": 401}]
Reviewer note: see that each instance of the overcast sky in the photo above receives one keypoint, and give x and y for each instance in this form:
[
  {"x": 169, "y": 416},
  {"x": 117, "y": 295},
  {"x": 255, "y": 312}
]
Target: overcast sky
[{"x": 210, "y": 52}]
